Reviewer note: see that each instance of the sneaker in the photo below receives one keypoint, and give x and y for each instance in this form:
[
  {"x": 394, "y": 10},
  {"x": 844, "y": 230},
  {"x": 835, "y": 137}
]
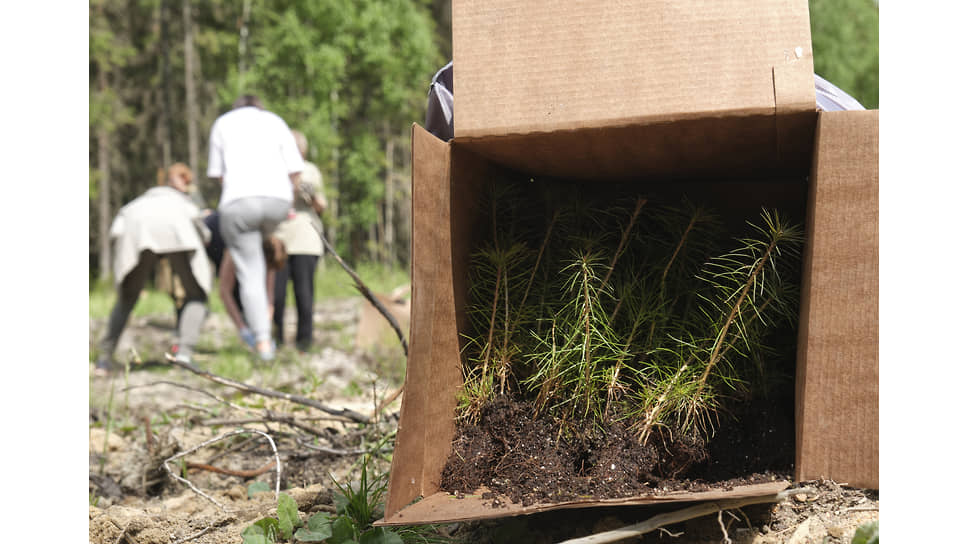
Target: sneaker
[
  {"x": 104, "y": 366},
  {"x": 180, "y": 355},
  {"x": 183, "y": 358},
  {"x": 248, "y": 337},
  {"x": 269, "y": 354}
]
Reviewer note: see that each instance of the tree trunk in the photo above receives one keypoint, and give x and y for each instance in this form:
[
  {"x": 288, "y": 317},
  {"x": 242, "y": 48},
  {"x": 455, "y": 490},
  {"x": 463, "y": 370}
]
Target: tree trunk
[
  {"x": 243, "y": 43},
  {"x": 104, "y": 187},
  {"x": 166, "y": 135},
  {"x": 389, "y": 200},
  {"x": 191, "y": 101},
  {"x": 333, "y": 203}
]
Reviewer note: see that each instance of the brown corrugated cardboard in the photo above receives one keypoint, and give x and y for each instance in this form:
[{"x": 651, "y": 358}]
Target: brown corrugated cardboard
[
  {"x": 568, "y": 70},
  {"x": 837, "y": 364},
  {"x": 546, "y": 66},
  {"x": 756, "y": 132},
  {"x": 443, "y": 507}
]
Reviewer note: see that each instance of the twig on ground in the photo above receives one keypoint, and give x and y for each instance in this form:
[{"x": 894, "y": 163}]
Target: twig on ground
[
  {"x": 334, "y": 451},
  {"x": 190, "y": 388},
  {"x": 298, "y": 399},
  {"x": 198, "y": 491},
  {"x": 719, "y": 518},
  {"x": 670, "y": 533},
  {"x": 195, "y": 535},
  {"x": 365, "y": 291},
  {"x": 231, "y": 449},
  {"x": 229, "y": 472},
  {"x": 124, "y": 533},
  {"x": 270, "y": 417},
  {"x": 677, "y": 516},
  {"x": 386, "y": 402},
  {"x": 861, "y": 509}
]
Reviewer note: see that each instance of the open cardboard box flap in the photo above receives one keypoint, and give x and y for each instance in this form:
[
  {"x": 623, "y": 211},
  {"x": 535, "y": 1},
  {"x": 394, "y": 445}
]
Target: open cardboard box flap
[
  {"x": 837, "y": 359},
  {"x": 532, "y": 79}
]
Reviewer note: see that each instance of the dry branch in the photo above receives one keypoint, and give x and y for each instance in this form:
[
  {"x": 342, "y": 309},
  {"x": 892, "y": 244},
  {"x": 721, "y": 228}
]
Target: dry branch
[
  {"x": 275, "y": 454},
  {"x": 365, "y": 291},
  {"x": 678, "y": 516},
  {"x": 190, "y": 388},
  {"x": 333, "y": 451},
  {"x": 229, "y": 472},
  {"x": 298, "y": 399},
  {"x": 270, "y": 417}
]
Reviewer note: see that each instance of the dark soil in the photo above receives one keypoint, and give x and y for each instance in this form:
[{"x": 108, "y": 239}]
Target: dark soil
[{"x": 535, "y": 460}]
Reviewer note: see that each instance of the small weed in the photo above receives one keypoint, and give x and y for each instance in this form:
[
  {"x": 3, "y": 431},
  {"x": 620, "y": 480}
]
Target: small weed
[
  {"x": 353, "y": 389},
  {"x": 867, "y": 533},
  {"x": 358, "y": 505}
]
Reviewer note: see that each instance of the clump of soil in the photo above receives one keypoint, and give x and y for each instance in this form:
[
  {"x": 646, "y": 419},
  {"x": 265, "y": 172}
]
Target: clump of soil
[{"x": 537, "y": 460}]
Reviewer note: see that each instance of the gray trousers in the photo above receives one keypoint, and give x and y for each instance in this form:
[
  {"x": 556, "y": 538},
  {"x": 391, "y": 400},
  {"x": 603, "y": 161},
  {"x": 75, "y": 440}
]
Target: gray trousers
[
  {"x": 192, "y": 315},
  {"x": 243, "y": 223}
]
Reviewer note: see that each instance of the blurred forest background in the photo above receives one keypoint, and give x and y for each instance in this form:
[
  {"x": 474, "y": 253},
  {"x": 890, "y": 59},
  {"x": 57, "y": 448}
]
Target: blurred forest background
[{"x": 351, "y": 74}]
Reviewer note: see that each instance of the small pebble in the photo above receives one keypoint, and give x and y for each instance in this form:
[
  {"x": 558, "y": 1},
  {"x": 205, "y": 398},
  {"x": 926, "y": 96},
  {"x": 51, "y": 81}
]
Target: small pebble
[{"x": 800, "y": 497}]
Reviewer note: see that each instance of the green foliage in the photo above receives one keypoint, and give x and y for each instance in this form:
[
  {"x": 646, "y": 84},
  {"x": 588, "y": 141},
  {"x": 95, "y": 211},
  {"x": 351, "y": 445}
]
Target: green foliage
[
  {"x": 319, "y": 527},
  {"x": 288, "y": 513},
  {"x": 361, "y": 501},
  {"x": 845, "y": 46},
  {"x": 351, "y": 75},
  {"x": 867, "y": 533},
  {"x": 358, "y": 505},
  {"x": 264, "y": 531}
]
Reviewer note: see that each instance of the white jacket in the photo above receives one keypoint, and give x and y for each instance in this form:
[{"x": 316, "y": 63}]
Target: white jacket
[{"x": 162, "y": 220}]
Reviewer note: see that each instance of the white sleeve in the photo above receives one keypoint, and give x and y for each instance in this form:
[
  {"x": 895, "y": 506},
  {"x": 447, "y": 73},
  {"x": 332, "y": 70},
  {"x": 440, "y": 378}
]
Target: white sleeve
[
  {"x": 216, "y": 166},
  {"x": 290, "y": 152},
  {"x": 117, "y": 227}
]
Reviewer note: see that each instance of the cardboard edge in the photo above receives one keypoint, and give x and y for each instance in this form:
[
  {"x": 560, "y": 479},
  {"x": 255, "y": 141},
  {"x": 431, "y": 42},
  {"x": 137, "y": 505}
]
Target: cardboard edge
[
  {"x": 443, "y": 507},
  {"x": 467, "y": 137},
  {"x": 407, "y": 479},
  {"x": 856, "y": 462}
]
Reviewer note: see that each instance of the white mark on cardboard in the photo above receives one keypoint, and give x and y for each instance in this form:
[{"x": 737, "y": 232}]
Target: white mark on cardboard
[{"x": 798, "y": 52}]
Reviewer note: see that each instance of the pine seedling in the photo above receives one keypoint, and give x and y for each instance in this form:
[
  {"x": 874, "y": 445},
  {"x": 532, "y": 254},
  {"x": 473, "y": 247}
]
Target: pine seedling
[
  {"x": 574, "y": 360},
  {"x": 498, "y": 276},
  {"x": 745, "y": 293}
]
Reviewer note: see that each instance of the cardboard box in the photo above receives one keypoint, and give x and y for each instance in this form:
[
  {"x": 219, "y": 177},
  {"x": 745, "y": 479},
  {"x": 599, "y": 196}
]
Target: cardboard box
[{"x": 672, "y": 94}]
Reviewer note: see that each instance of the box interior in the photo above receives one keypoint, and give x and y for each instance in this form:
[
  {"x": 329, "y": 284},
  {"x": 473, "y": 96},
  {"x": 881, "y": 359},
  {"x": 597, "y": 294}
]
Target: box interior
[{"x": 454, "y": 175}]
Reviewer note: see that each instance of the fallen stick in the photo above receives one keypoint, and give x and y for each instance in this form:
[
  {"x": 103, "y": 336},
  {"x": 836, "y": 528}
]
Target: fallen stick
[
  {"x": 386, "y": 402},
  {"x": 270, "y": 417},
  {"x": 197, "y": 491},
  {"x": 678, "y": 516},
  {"x": 333, "y": 451},
  {"x": 298, "y": 399},
  {"x": 229, "y": 472},
  {"x": 190, "y": 388},
  {"x": 365, "y": 291}
]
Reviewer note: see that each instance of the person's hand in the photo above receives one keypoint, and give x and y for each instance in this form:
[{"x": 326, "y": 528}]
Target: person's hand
[{"x": 318, "y": 204}]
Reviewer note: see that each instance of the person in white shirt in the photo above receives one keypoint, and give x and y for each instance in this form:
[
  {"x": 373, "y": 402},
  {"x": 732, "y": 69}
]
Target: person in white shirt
[{"x": 254, "y": 156}]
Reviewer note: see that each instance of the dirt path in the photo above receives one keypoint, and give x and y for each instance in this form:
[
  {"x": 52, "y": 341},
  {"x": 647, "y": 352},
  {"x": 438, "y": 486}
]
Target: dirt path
[{"x": 154, "y": 411}]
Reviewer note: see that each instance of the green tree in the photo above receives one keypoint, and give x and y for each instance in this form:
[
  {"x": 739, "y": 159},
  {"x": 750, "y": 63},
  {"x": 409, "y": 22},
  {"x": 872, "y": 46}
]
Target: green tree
[{"x": 845, "y": 46}]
